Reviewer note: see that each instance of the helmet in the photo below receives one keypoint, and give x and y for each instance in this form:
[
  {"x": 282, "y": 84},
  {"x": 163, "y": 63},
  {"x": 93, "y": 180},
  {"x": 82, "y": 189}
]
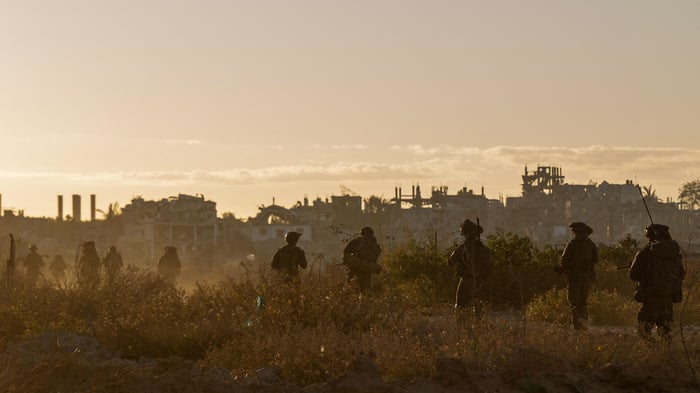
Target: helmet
[
  {"x": 292, "y": 236},
  {"x": 33, "y": 247},
  {"x": 367, "y": 231},
  {"x": 655, "y": 230},
  {"x": 581, "y": 227},
  {"x": 470, "y": 228},
  {"x": 89, "y": 244},
  {"x": 112, "y": 249}
]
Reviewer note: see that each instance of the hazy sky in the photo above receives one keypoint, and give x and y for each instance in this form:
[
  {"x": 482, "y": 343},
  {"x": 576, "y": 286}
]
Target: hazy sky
[{"x": 244, "y": 101}]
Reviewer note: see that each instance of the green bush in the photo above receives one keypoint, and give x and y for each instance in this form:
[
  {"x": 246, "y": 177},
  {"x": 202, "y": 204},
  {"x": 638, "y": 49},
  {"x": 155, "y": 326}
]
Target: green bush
[
  {"x": 611, "y": 258},
  {"x": 419, "y": 267},
  {"x": 520, "y": 270}
]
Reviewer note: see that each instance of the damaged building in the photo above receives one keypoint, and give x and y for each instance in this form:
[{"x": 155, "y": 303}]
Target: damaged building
[
  {"x": 543, "y": 211},
  {"x": 184, "y": 221},
  {"x": 548, "y": 204}
]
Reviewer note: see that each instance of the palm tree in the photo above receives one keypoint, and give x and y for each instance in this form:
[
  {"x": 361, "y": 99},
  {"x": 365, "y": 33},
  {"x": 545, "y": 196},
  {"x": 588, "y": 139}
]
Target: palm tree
[
  {"x": 113, "y": 210},
  {"x": 649, "y": 192}
]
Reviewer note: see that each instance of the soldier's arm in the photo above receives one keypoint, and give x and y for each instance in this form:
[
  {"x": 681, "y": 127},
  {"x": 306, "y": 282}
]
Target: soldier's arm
[
  {"x": 302, "y": 259},
  {"x": 275, "y": 264},
  {"x": 566, "y": 257},
  {"x": 638, "y": 266},
  {"x": 455, "y": 258},
  {"x": 682, "y": 272},
  {"x": 351, "y": 247}
]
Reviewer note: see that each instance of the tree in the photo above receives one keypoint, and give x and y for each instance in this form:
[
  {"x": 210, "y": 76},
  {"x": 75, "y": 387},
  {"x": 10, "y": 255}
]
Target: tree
[
  {"x": 375, "y": 204},
  {"x": 689, "y": 194},
  {"x": 113, "y": 210},
  {"x": 649, "y": 192}
]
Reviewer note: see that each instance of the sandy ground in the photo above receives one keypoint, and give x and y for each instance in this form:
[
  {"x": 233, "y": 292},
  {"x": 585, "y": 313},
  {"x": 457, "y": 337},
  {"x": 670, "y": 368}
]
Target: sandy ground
[{"x": 63, "y": 362}]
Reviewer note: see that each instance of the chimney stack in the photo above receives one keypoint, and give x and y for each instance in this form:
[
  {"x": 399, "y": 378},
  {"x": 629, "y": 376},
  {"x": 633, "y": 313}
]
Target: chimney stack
[
  {"x": 92, "y": 207},
  {"x": 76, "y": 208},
  {"x": 60, "y": 208}
]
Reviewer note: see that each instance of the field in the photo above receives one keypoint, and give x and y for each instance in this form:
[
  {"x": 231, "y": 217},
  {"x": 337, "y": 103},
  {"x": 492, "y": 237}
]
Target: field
[{"x": 254, "y": 332}]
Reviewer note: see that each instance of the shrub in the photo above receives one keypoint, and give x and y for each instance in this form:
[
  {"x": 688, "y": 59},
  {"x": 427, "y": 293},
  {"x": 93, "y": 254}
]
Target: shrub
[
  {"x": 419, "y": 267},
  {"x": 313, "y": 329},
  {"x": 520, "y": 270}
]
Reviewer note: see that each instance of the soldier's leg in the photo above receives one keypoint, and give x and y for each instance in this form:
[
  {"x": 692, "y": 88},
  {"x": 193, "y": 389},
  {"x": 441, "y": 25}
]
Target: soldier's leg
[
  {"x": 463, "y": 301},
  {"x": 578, "y": 304},
  {"x": 645, "y": 320},
  {"x": 665, "y": 319}
]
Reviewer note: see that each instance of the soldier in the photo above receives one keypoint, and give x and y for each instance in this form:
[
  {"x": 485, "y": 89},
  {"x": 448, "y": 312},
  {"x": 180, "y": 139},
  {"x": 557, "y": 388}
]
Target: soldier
[
  {"x": 58, "y": 269},
  {"x": 89, "y": 265},
  {"x": 288, "y": 259},
  {"x": 169, "y": 265},
  {"x": 577, "y": 263},
  {"x": 472, "y": 262},
  {"x": 112, "y": 263},
  {"x": 360, "y": 256},
  {"x": 659, "y": 273},
  {"x": 33, "y": 262}
]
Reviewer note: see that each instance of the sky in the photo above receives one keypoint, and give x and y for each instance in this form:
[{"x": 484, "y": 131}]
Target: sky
[{"x": 246, "y": 101}]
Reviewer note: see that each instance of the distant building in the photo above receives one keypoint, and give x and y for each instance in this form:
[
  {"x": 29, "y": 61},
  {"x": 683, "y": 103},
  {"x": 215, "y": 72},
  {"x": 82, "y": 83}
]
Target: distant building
[
  {"x": 273, "y": 222},
  {"x": 185, "y": 221}
]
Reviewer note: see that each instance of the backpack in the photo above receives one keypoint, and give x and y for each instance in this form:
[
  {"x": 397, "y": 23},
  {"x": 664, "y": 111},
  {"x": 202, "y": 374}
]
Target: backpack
[
  {"x": 475, "y": 263},
  {"x": 286, "y": 259},
  {"x": 665, "y": 274}
]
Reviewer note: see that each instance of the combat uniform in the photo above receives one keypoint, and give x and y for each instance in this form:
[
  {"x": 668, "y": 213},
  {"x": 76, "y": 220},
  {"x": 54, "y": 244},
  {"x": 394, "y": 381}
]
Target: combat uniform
[
  {"x": 169, "y": 265},
  {"x": 360, "y": 256},
  {"x": 578, "y": 264},
  {"x": 472, "y": 261},
  {"x": 58, "y": 268},
  {"x": 89, "y": 264},
  {"x": 288, "y": 259},
  {"x": 659, "y": 272},
  {"x": 112, "y": 263},
  {"x": 33, "y": 262}
]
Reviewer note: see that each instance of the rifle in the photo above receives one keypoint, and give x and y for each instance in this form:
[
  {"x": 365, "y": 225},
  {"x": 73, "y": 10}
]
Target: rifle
[
  {"x": 646, "y": 207},
  {"x": 625, "y": 267},
  {"x": 11, "y": 261},
  {"x": 645, "y": 204}
]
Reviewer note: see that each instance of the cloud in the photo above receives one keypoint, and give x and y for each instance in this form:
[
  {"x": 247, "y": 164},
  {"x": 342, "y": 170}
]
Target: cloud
[
  {"x": 340, "y": 147},
  {"x": 497, "y": 168},
  {"x": 188, "y": 142},
  {"x": 632, "y": 160}
]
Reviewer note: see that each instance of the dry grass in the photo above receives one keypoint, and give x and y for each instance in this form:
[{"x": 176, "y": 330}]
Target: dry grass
[{"x": 314, "y": 329}]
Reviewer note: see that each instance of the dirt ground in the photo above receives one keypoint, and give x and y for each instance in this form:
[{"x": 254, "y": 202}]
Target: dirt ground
[{"x": 63, "y": 362}]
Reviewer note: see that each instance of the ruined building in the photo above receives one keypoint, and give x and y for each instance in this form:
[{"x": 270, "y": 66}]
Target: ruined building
[
  {"x": 543, "y": 211},
  {"x": 184, "y": 221},
  {"x": 548, "y": 204}
]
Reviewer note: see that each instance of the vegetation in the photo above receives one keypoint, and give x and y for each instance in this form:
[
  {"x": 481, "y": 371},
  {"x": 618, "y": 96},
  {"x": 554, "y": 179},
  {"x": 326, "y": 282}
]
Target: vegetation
[
  {"x": 689, "y": 194},
  {"x": 313, "y": 329}
]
